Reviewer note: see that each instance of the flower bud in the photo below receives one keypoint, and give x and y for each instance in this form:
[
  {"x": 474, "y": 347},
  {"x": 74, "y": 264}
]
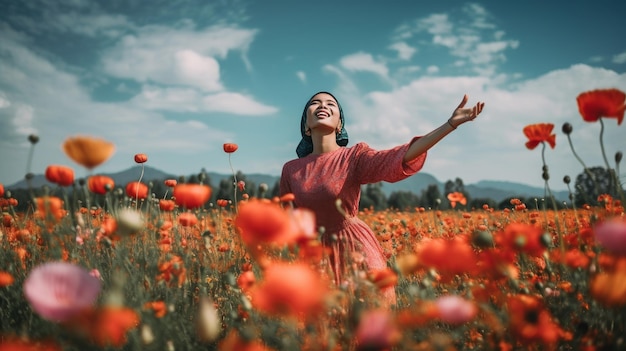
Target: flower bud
[
  {"x": 567, "y": 128},
  {"x": 33, "y": 138},
  {"x": 567, "y": 179},
  {"x": 129, "y": 222},
  {"x": 618, "y": 157},
  {"x": 208, "y": 322},
  {"x": 482, "y": 238}
]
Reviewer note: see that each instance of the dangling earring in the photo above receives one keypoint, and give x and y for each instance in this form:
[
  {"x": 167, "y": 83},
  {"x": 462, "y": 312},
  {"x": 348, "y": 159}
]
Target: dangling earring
[{"x": 308, "y": 132}]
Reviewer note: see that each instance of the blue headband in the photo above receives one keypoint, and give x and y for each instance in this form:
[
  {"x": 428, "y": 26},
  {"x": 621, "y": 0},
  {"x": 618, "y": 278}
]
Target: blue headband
[{"x": 305, "y": 146}]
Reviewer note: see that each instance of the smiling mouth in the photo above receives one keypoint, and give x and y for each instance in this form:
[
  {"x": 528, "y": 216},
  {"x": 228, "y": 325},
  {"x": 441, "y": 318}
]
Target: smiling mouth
[{"x": 321, "y": 114}]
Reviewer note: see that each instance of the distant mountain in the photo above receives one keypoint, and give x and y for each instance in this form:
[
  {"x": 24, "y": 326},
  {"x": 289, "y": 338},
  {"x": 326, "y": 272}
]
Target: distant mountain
[
  {"x": 123, "y": 177},
  {"x": 496, "y": 190},
  {"x": 506, "y": 189}
]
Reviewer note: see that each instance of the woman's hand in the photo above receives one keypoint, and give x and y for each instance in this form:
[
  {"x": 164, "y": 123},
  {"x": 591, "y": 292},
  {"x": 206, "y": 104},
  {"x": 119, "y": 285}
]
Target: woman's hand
[{"x": 462, "y": 114}]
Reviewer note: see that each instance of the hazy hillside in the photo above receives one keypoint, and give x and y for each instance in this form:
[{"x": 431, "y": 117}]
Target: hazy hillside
[{"x": 496, "y": 190}]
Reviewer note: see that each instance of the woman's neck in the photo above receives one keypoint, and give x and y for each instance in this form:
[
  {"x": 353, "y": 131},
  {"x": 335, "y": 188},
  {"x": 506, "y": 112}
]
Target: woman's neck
[{"x": 324, "y": 143}]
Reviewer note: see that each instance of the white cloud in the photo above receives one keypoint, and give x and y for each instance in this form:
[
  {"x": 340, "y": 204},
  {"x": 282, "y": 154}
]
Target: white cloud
[
  {"x": 492, "y": 147},
  {"x": 364, "y": 62},
  {"x": 196, "y": 70},
  {"x": 620, "y": 58},
  {"x": 301, "y": 76},
  {"x": 158, "y": 54},
  {"x": 405, "y": 51},
  {"x": 432, "y": 69},
  {"x": 472, "y": 41},
  {"x": 236, "y": 103},
  {"x": 190, "y": 100}
]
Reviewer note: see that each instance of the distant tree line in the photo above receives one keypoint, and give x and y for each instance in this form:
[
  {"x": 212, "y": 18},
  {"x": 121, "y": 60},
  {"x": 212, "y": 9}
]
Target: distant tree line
[{"x": 587, "y": 188}]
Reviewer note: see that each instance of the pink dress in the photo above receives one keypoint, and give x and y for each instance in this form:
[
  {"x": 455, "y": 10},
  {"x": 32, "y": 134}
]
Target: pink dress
[{"x": 317, "y": 181}]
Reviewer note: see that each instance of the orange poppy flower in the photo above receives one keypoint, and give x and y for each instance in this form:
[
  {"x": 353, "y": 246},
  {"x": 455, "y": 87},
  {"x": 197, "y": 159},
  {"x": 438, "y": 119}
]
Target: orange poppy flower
[
  {"x": 166, "y": 205},
  {"x": 6, "y": 279},
  {"x": 451, "y": 256},
  {"x": 158, "y": 307},
  {"x": 522, "y": 237},
  {"x": 596, "y": 104},
  {"x": 100, "y": 184},
  {"x": 609, "y": 287},
  {"x": 383, "y": 278},
  {"x": 289, "y": 197},
  {"x": 456, "y": 197},
  {"x": 234, "y": 342},
  {"x": 530, "y": 322},
  {"x": 61, "y": 175},
  {"x": 539, "y": 133},
  {"x": 141, "y": 158},
  {"x": 50, "y": 206},
  {"x": 290, "y": 289},
  {"x": 170, "y": 183},
  {"x": 106, "y": 326},
  {"x": 222, "y": 202},
  {"x": 230, "y": 147},
  {"x": 187, "y": 219},
  {"x": 15, "y": 343},
  {"x": 88, "y": 151},
  {"x": 264, "y": 222},
  {"x": 136, "y": 190},
  {"x": 191, "y": 195}
]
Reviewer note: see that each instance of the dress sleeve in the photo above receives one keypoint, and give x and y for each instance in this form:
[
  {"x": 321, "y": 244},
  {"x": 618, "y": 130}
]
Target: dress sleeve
[
  {"x": 284, "y": 188},
  {"x": 374, "y": 166}
]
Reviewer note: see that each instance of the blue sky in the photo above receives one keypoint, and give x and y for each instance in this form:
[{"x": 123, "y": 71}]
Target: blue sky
[{"x": 177, "y": 79}]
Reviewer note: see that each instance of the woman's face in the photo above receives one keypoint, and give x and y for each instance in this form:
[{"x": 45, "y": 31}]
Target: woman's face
[{"x": 323, "y": 112}]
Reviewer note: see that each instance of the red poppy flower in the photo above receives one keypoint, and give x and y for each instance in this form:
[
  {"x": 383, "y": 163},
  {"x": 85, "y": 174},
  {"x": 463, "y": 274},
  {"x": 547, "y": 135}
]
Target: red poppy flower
[
  {"x": 61, "y": 175},
  {"x": 456, "y": 197},
  {"x": 264, "y": 222},
  {"x": 187, "y": 219},
  {"x": 170, "y": 183},
  {"x": 15, "y": 343},
  {"x": 595, "y": 104},
  {"x": 166, "y": 205},
  {"x": 1, "y": 190},
  {"x": 230, "y": 147},
  {"x": 222, "y": 202},
  {"x": 6, "y": 279},
  {"x": 522, "y": 237},
  {"x": 137, "y": 190},
  {"x": 448, "y": 256},
  {"x": 531, "y": 322},
  {"x": 100, "y": 184},
  {"x": 87, "y": 151},
  {"x": 290, "y": 289},
  {"x": 141, "y": 158},
  {"x": 539, "y": 133},
  {"x": 50, "y": 207},
  {"x": 106, "y": 326},
  {"x": 191, "y": 195}
]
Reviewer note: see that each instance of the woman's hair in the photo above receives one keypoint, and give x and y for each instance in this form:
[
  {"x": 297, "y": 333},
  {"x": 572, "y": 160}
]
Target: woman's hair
[{"x": 305, "y": 146}]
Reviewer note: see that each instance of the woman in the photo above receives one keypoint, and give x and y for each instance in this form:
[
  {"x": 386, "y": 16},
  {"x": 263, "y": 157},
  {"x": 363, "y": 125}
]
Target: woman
[{"x": 327, "y": 171}]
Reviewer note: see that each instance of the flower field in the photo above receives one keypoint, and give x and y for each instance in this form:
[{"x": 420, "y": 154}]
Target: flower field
[{"x": 98, "y": 269}]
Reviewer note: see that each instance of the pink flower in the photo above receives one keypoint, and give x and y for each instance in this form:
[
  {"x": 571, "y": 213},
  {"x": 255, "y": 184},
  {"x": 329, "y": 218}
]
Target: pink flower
[
  {"x": 95, "y": 273},
  {"x": 611, "y": 234},
  {"x": 455, "y": 309},
  {"x": 59, "y": 290},
  {"x": 377, "y": 331}
]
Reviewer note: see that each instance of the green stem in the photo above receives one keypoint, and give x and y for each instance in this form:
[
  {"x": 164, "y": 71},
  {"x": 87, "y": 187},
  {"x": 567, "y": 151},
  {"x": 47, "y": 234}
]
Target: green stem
[
  {"x": 606, "y": 160},
  {"x": 583, "y": 164},
  {"x": 235, "y": 182},
  {"x": 137, "y": 189},
  {"x": 556, "y": 213}
]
